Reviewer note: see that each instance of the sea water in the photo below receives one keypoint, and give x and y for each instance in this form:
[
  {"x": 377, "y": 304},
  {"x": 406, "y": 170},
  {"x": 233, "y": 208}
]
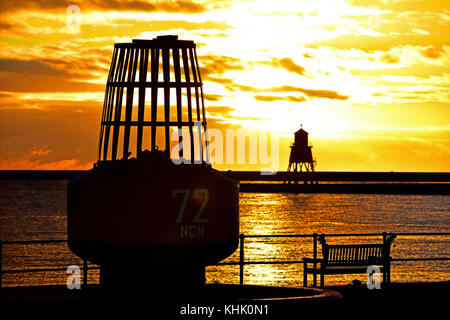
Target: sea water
[{"x": 36, "y": 210}]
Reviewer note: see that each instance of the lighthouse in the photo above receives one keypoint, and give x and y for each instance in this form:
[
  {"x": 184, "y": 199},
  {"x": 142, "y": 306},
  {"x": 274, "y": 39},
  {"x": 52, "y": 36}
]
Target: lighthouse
[{"x": 301, "y": 158}]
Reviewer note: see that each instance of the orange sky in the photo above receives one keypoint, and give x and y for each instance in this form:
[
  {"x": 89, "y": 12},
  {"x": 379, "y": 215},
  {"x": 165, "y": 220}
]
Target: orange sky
[{"x": 368, "y": 79}]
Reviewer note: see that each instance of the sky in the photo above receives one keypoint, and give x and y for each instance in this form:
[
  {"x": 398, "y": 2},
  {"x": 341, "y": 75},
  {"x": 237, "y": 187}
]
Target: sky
[{"x": 369, "y": 80}]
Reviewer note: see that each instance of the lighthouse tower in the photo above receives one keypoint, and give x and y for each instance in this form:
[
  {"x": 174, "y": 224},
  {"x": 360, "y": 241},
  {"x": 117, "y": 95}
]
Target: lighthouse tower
[{"x": 301, "y": 157}]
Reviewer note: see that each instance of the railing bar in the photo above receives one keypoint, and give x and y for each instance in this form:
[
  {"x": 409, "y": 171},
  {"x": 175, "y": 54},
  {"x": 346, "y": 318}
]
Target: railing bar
[
  {"x": 34, "y": 270},
  {"x": 274, "y": 262},
  {"x": 222, "y": 264},
  {"x": 344, "y": 235},
  {"x": 33, "y": 241},
  {"x": 420, "y": 259},
  {"x": 257, "y": 262},
  {"x": 267, "y": 236},
  {"x": 422, "y": 234},
  {"x": 280, "y": 236},
  {"x": 43, "y": 270}
]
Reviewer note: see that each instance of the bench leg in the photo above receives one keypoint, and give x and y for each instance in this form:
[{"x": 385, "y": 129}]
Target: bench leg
[
  {"x": 387, "y": 274},
  {"x": 305, "y": 274},
  {"x": 305, "y": 277}
]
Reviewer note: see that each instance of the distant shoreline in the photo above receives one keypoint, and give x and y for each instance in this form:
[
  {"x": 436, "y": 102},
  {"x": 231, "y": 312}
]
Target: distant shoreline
[
  {"x": 257, "y": 176},
  {"x": 350, "y": 188}
]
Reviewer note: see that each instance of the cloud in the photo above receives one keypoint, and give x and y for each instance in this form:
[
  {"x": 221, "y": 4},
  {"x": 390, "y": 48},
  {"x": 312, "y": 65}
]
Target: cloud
[
  {"x": 35, "y": 159},
  {"x": 389, "y": 58},
  {"x": 241, "y": 87},
  {"x": 313, "y": 93},
  {"x": 433, "y": 52},
  {"x": 40, "y": 134},
  {"x": 16, "y": 5},
  {"x": 48, "y": 75},
  {"x": 296, "y": 99},
  {"x": 5, "y": 26},
  {"x": 173, "y": 6},
  {"x": 212, "y": 97},
  {"x": 218, "y": 65},
  {"x": 289, "y": 65},
  {"x": 403, "y": 5},
  {"x": 85, "y": 66},
  {"x": 164, "y": 25},
  {"x": 267, "y": 98},
  {"x": 27, "y": 164},
  {"x": 24, "y": 66},
  {"x": 278, "y": 98},
  {"x": 40, "y": 151},
  {"x": 219, "y": 110},
  {"x": 395, "y": 29},
  {"x": 42, "y": 83}
]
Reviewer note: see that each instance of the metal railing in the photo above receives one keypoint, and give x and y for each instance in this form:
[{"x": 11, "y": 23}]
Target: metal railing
[
  {"x": 241, "y": 263},
  {"x": 27, "y": 242},
  {"x": 314, "y": 237}
]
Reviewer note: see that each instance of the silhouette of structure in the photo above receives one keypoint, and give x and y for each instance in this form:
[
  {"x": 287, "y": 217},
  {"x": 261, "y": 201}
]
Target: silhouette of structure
[
  {"x": 300, "y": 157},
  {"x": 146, "y": 215},
  {"x": 159, "y": 72}
]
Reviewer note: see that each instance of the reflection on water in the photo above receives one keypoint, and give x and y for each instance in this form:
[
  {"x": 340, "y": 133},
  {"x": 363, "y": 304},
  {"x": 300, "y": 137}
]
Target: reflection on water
[
  {"x": 37, "y": 210},
  {"x": 271, "y": 214}
]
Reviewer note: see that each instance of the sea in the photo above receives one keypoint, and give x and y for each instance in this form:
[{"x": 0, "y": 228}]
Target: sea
[{"x": 36, "y": 210}]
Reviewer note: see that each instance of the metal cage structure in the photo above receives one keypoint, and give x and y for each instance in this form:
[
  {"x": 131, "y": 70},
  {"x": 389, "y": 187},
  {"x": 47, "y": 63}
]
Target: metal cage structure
[{"x": 154, "y": 92}]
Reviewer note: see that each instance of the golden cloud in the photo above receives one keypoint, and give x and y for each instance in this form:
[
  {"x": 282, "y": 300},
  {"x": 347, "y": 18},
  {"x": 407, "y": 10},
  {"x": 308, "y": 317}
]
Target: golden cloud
[
  {"x": 313, "y": 93},
  {"x": 183, "y": 6},
  {"x": 289, "y": 65}
]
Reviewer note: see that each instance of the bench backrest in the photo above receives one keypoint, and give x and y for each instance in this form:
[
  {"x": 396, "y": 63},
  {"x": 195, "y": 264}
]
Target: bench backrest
[
  {"x": 363, "y": 254},
  {"x": 356, "y": 254}
]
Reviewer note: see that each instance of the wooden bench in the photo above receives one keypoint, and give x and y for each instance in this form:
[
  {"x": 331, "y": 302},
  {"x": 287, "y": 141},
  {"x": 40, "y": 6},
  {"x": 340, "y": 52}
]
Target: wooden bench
[{"x": 349, "y": 259}]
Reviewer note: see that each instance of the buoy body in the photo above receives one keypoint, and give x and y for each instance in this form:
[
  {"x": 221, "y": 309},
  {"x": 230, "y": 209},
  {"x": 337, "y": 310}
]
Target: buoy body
[{"x": 176, "y": 214}]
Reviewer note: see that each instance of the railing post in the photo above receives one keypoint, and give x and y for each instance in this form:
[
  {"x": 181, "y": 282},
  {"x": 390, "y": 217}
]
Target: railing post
[
  {"x": 315, "y": 258},
  {"x": 1, "y": 261},
  {"x": 241, "y": 258},
  {"x": 386, "y": 264},
  {"x": 85, "y": 272}
]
